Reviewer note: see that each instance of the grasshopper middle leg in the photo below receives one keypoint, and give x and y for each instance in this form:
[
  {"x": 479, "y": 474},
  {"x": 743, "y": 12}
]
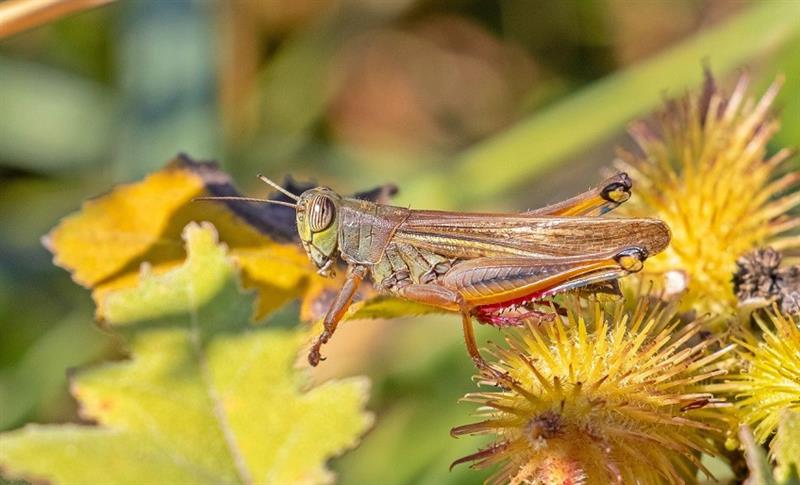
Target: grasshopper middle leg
[{"x": 446, "y": 298}]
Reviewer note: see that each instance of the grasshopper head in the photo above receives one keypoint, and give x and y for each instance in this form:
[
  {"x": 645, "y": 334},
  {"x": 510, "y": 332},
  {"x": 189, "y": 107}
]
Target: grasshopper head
[{"x": 318, "y": 226}]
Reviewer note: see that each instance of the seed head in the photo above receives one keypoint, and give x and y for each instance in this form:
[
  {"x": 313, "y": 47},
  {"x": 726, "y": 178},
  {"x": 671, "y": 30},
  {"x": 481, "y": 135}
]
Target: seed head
[
  {"x": 600, "y": 395},
  {"x": 760, "y": 280},
  {"x": 705, "y": 171},
  {"x": 770, "y": 380}
]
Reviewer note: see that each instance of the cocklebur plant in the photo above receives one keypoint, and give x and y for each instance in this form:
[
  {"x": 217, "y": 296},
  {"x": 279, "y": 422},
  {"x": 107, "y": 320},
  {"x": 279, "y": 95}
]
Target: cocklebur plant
[
  {"x": 732, "y": 203},
  {"x": 732, "y": 206},
  {"x": 597, "y": 397}
]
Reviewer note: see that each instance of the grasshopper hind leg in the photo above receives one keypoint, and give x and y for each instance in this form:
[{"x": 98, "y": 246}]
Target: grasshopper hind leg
[
  {"x": 502, "y": 379},
  {"x": 595, "y": 202},
  {"x": 471, "y": 343}
]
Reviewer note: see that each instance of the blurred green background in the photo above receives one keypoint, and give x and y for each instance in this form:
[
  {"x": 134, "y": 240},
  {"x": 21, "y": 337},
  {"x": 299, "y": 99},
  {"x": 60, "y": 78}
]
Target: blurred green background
[{"x": 463, "y": 103}]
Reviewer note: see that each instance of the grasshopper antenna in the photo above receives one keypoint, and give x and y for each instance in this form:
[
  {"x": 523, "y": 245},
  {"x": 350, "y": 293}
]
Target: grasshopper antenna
[
  {"x": 248, "y": 199},
  {"x": 278, "y": 187},
  {"x": 267, "y": 201}
]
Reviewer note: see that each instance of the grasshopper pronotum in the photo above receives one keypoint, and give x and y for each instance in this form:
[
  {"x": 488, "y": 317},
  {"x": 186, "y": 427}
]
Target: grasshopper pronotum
[{"x": 492, "y": 267}]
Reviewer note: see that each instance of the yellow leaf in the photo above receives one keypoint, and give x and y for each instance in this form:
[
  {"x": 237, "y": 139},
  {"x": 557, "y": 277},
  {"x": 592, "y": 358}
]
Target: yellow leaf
[{"x": 105, "y": 244}]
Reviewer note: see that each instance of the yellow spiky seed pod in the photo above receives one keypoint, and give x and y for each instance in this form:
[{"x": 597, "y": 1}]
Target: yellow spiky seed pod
[
  {"x": 770, "y": 380},
  {"x": 704, "y": 170},
  {"x": 601, "y": 395}
]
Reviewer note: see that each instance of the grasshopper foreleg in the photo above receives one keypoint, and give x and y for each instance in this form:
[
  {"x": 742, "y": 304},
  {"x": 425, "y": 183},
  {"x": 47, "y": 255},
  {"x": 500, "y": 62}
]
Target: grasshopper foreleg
[{"x": 355, "y": 275}]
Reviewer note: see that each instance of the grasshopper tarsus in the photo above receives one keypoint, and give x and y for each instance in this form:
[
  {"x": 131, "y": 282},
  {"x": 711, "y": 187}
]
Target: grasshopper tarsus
[
  {"x": 501, "y": 379},
  {"x": 314, "y": 355}
]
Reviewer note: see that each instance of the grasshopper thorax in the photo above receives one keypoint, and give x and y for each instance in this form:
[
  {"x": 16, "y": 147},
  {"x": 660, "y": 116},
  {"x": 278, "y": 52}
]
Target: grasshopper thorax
[{"x": 318, "y": 226}]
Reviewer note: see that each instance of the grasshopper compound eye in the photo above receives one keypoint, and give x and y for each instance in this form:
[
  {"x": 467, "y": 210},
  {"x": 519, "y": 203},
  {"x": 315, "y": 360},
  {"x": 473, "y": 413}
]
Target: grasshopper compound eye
[
  {"x": 321, "y": 211},
  {"x": 631, "y": 259}
]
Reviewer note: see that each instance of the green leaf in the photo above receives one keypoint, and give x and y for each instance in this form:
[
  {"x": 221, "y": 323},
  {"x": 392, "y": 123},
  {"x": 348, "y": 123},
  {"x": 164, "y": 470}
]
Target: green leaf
[
  {"x": 384, "y": 306},
  {"x": 786, "y": 448},
  {"x": 760, "y": 471},
  {"x": 205, "y": 398}
]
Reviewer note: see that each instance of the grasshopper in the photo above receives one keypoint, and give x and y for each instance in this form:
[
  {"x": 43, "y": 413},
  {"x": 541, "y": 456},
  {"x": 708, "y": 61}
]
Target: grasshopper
[{"x": 490, "y": 267}]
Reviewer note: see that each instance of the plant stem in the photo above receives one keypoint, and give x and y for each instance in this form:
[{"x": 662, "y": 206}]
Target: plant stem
[{"x": 20, "y": 15}]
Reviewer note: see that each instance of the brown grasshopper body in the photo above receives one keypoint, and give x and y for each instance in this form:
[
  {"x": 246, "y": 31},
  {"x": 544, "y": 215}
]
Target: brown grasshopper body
[{"x": 492, "y": 267}]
